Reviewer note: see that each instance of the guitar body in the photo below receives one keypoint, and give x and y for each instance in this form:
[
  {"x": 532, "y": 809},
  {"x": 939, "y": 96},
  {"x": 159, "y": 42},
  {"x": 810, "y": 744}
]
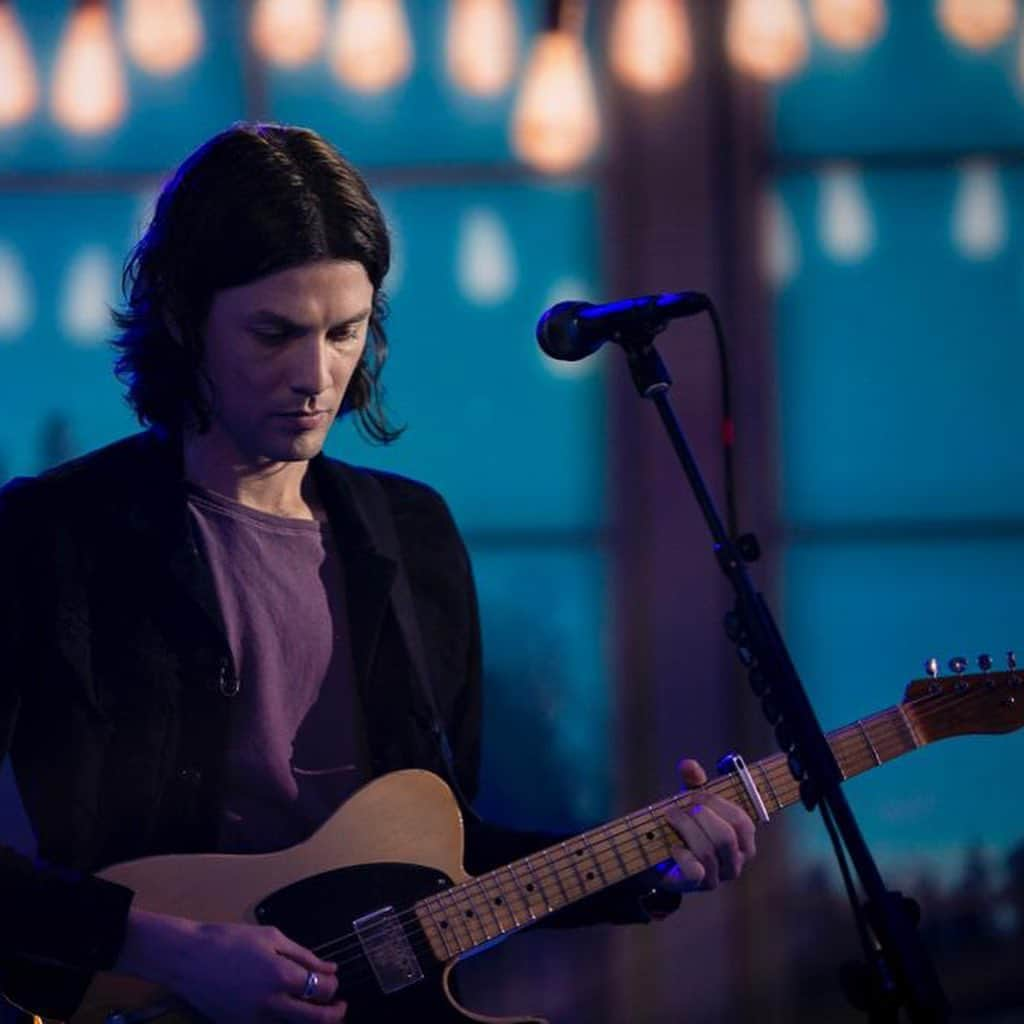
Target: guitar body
[{"x": 393, "y": 842}]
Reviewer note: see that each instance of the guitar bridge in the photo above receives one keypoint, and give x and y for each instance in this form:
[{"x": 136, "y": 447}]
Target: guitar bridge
[{"x": 387, "y": 949}]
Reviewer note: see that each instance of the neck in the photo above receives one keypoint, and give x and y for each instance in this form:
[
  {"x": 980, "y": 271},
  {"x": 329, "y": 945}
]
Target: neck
[{"x": 280, "y": 488}]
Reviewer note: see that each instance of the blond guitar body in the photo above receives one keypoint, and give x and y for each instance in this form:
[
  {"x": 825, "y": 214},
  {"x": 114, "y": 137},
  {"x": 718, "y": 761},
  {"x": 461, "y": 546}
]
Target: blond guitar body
[{"x": 408, "y": 818}]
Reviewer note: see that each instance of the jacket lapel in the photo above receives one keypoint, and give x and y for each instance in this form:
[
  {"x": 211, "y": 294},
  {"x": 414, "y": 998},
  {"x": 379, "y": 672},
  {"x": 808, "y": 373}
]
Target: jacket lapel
[
  {"x": 369, "y": 574},
  {"x": 157, "y": 509}
]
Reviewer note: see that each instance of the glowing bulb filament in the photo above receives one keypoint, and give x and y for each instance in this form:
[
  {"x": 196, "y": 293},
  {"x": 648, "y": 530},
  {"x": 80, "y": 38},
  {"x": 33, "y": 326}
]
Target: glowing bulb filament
[
  {"x": 88, "y": 86},
  {"x": 19, "y": 89},
  {"x": 555, "y": 125},
  {"x": 482, "y": 45},
  {"x": 289, "y": 32},
  {"x": 849, "y": 24},
  {"x": 371, "y": 50},
  {"x": 163, "y": 36},
  {"x": 977, "y": 24},
  {"x": 651, "y": 47},
  {"x": 766, "y": 38}
]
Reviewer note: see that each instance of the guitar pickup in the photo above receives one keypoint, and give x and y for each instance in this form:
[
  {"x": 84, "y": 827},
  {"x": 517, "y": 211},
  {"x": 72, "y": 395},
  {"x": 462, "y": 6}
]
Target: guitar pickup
[{"x": 387, "y": 949}]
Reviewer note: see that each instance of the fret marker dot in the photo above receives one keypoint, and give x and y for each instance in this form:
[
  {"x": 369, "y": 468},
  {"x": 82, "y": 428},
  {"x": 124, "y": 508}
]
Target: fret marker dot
[
  {"x": 590, "y": 876},
  {"x": 529, "y": 886},
  {"x": 498, "y": 901},
  {"x": 444, "y": 924},
  {"x": 579, "y": 853},
  {"x": 650, "y": 835},
  {"x": 469, "y": 913}
]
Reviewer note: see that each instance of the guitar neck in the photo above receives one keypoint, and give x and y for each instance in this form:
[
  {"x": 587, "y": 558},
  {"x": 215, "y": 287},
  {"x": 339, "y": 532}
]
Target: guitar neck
[{"x": 472, "y": 914}]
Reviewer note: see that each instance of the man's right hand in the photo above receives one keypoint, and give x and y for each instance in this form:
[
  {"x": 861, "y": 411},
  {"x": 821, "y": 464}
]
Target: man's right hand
[{"x": 232, "y": 973}]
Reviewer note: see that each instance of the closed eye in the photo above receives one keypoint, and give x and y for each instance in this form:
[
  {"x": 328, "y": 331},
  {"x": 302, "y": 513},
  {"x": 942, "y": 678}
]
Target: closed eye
[{"x": 352, "y": 334}]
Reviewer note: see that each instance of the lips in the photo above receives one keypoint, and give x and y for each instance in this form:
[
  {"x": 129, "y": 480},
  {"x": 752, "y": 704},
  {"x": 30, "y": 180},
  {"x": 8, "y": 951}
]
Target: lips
[{"x": 305, "y": 420}]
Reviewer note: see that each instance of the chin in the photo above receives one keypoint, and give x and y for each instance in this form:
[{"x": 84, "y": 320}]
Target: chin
[{"x": 308, "y": 447}]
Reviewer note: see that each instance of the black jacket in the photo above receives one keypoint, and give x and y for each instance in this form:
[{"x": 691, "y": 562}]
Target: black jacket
[{"x": 116, "y": 683}]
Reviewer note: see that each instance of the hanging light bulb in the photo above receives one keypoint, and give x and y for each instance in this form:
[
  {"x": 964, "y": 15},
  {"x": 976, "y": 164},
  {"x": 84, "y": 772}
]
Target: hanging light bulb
[
  {"x": 162, "y": 36},
  {"x": 651, "y": 46},
  {"x": 849, "y": 24},
  {"x": 977, "y": 24},
  {"x": 845, "y": 222},
  {"x": 88, "y": 84},
  {"x": 288, "y": 32},
  {"x": 19, "y": 90},
  {"x": 555, "y": 125},
  {"x": 482, "y": 45},
  {"x": 371, "y": 50},
  {"x": 979, "y": 211},
  {"x": 766, "y": 38},
  {"x": 780, "y": 242}
]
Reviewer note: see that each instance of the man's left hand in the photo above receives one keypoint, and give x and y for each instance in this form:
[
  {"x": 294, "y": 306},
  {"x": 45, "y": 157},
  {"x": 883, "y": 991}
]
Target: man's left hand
[{"x": 716, "y": 837}]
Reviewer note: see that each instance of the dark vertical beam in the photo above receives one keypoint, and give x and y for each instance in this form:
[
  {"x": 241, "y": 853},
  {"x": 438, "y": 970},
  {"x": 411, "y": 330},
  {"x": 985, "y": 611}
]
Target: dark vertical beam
[
  {"x": 681, "y": 210},
  {"x": 254, "y": 68}
]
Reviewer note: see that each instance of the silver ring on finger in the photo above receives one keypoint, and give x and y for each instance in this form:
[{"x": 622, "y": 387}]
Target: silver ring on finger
[{"x": 312, "y": 985}]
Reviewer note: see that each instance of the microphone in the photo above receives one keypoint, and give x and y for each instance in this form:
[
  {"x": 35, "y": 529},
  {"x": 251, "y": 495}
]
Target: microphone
[{"x": 575, "y": 330}]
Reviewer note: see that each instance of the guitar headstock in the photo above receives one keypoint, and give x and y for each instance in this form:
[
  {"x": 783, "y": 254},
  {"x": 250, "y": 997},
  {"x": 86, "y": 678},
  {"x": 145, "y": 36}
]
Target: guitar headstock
[{"x": 965, "y": 703}]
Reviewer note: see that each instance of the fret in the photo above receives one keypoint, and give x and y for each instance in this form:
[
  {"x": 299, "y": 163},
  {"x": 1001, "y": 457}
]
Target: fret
[
  {"x": 614, "y": 842},
  {"x": 482, "y": 887},
  {"x": 574, "y": 859},
  {"x": 442, "y": 933},
  {"x": 867, "y": 739},
  {"x": 467, "y": 915},
  {"x": 909, "y": 727},
  {"x": 452, "y": 923},
  {"x": 556, "y": 873},
  {"x": 638, "y": 833},
  {"x": 655, "y": 835},
  {"x": 510, "y": 903},
  {"x": 537, "y": 886},
  {"x": 515, "y": 878},
  {"x": 593, "y": 860},
  {"x": 768, "y": 783},
  {"x": 501, "y": 902}
]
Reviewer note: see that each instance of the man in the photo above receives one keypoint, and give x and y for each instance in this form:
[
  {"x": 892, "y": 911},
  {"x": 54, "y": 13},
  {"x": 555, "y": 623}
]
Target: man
[{"x": 213, "y": 634}]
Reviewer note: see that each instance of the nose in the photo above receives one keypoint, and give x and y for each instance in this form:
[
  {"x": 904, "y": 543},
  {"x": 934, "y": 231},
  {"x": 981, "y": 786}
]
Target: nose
[{"x": 309, "y": 370}]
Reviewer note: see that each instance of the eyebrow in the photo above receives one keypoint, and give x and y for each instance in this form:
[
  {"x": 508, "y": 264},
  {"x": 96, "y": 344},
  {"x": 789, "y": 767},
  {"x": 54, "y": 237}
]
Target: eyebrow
[{"x": 269, "y": 316}]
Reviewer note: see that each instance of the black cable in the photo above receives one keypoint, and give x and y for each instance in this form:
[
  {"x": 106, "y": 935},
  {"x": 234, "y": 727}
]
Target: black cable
[{"x": 728, "y": 430}]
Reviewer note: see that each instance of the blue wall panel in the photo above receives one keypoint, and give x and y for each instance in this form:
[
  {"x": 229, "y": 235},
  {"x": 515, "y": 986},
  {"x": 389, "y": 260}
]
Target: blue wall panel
[
  {"x": 900, "y": 374},
  {"x": 915, "y": 90}
]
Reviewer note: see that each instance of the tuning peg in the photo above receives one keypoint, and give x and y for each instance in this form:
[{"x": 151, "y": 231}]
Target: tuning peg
[
  {"x": 957, "y": 665},
  {"x": 931, "y": 666},
  {"x": 984, "y": 662},
  {"x": 1011, "y": 660}
]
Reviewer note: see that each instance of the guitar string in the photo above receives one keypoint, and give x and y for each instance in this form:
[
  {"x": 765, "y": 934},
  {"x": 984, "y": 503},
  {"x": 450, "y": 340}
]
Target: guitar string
[
  {"x": 423, "y": 942},
  {"x": 895, "y": 728},
  {"x": 633, "y": 862},
  {"x": 847, "y": 737}
]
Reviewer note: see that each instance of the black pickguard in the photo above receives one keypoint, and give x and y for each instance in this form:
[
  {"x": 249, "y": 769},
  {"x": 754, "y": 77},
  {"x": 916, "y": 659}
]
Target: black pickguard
[{"x": 321, "y": 910}]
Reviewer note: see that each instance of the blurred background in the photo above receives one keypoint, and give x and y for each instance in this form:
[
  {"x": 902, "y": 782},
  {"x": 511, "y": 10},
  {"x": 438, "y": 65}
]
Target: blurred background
[{"x": 844, "y": 178}]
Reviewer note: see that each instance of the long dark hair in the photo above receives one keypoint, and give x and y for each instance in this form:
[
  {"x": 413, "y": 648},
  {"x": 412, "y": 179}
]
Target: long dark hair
[{"x": 253, "y": 200}]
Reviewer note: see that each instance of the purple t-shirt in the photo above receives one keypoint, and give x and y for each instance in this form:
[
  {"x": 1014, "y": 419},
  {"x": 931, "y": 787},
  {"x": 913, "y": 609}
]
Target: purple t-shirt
[{"x": 292, "y": 749}]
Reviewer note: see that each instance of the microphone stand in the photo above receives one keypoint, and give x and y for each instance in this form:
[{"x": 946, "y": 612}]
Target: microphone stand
[{"x": 898, "y": 971}]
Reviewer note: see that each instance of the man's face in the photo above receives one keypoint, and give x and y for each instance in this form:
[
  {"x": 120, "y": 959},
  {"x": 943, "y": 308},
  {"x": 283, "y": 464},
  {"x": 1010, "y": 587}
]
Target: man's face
[{"x": 280, "y": 353}]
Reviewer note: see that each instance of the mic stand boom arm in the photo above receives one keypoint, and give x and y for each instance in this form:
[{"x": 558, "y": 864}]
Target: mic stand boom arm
[{"x": 904, "y": 974}]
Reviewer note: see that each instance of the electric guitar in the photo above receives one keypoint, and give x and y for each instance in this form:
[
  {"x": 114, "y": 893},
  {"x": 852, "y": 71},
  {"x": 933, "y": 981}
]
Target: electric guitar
[{"x": 381, "y": 890}]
